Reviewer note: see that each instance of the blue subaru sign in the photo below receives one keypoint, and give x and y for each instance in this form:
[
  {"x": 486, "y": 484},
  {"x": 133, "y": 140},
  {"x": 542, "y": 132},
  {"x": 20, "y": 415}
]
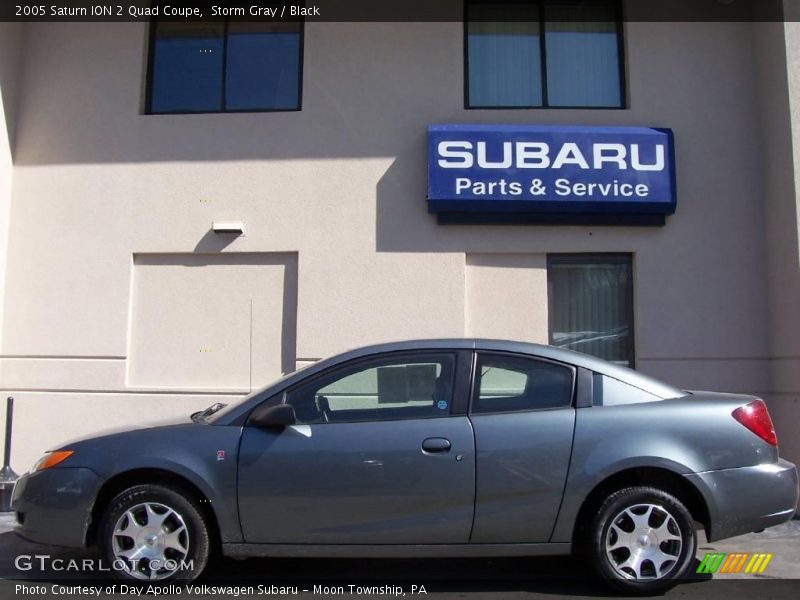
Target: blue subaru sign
[{"x": 549, "y": 171}]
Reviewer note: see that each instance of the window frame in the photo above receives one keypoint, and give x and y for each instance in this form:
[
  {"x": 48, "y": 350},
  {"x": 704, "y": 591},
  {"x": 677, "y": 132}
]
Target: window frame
[
  {"x": 148, "y": 98},
  {"x": 621, "y": 59},
  {"x": 475, "y": 388},
  {"x": 458, "y": 403},
  {"x": 581, "y": 258}
]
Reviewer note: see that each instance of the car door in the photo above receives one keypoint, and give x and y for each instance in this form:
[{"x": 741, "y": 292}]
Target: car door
[
  {"x": 523, "y": 416},
  {"x": 379, "y": 456}
]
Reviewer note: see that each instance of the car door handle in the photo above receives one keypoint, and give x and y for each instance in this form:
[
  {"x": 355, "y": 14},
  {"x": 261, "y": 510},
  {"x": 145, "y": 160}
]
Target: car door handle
[{"x": 436, "y": 445}]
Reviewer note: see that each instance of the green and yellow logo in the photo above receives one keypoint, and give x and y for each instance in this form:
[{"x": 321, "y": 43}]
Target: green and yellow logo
[{"x": 737, "y": 562}]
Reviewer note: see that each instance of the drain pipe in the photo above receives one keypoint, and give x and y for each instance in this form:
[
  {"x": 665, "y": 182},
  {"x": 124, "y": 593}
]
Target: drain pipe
[{"x": 7, "y": 476}]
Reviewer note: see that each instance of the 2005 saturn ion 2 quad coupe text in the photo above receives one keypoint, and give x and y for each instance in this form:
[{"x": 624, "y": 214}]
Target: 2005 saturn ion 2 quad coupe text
[{"x": 426, "y": 448}]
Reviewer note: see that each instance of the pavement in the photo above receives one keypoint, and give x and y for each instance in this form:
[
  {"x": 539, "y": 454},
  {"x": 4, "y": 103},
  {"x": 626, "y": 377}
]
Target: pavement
[{"x": 506, "y": 578}]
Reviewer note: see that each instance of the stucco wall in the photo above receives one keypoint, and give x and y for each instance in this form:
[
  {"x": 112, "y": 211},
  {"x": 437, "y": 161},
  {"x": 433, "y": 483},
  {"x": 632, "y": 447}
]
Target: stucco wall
[
  {"x": 506, "y": 296},
  {"x": 341, "y": 184},
  {"x": 778, "y": 59},
  {"x": 11, "y": 40}
]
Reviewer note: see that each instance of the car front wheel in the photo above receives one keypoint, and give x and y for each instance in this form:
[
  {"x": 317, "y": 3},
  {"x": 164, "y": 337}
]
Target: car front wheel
[
  {"x": 643, "y": 540},
  {"x": 154, "y": 533}
]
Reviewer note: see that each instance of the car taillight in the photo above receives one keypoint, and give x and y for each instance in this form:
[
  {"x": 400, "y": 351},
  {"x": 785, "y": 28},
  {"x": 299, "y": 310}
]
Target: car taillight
[{"x": 755, "y": 417}]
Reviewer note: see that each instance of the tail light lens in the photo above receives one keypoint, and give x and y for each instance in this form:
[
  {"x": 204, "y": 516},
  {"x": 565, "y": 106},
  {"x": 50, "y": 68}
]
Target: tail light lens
[{"x": 755, "y": 417}]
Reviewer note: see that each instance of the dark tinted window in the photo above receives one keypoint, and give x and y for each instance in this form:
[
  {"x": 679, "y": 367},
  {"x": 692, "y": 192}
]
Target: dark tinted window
[
  {"x": 511, "y": 383},
  {"x": 389, "y": 388},
  {"x": 187, "y": 67},
  {"x": 543, "y": 53},
  {"x": 225, "y": 66},
  {"x": 263, "y": 66}
]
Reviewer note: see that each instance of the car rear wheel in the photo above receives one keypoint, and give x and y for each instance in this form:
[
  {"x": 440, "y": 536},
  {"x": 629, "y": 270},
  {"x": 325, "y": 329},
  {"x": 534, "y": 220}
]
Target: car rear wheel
[
  {"x": 154, "y": 533},
  {"x": 643, "y": 540}
]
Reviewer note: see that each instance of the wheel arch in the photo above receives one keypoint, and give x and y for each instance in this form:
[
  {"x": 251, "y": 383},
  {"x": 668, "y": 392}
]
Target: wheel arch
[
  {"x": 121, "y": 481},
  {"x": 669, "y": 481}
]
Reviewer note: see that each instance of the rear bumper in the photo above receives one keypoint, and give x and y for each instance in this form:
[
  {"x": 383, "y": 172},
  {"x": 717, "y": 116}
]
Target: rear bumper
[
  {"x": 55, "y": 506},
  {"x": 747, "y": 499}
]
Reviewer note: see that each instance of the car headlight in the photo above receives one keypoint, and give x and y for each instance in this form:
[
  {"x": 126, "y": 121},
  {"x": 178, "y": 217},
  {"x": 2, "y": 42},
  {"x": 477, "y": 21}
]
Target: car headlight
[{"x": 51, "y": 459}]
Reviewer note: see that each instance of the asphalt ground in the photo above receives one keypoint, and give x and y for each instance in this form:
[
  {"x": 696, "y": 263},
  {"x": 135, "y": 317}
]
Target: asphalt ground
[{"x": 446, "y": 578}]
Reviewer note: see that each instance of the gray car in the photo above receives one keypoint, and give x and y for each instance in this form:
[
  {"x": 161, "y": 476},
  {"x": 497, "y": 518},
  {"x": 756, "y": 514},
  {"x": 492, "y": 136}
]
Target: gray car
[{"x": 426, "y": 448}]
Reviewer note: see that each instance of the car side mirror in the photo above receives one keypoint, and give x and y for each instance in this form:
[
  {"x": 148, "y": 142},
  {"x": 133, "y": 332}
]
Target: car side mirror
[{"x": 280, "y": 415}]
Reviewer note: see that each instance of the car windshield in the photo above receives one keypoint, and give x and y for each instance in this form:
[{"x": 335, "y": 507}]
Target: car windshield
[{"x": 226, "y": 408}]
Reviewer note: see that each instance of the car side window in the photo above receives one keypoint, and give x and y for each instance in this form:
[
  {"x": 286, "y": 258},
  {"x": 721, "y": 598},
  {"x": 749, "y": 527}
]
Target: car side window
[
  {"x": 384, "y": 389},
  {"x": 608, "y": 391},
  {"x": 513, "y": 383}
]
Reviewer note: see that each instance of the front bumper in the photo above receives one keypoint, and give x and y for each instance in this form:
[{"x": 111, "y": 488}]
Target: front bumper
[
  {"x": 747, "y": 499},
  {"x": 54, "y": 506}
]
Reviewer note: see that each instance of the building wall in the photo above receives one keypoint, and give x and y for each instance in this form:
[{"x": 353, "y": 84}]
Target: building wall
[
  {"x": 337, "y": 193},
  {"x": 784, "y": 215},
  {"x": 11, "y": 44},
  {"x": 11, "y": 40},
  {"x": 778, "y": 60}
]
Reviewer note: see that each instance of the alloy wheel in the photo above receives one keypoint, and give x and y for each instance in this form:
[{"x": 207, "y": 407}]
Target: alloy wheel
[
  {"x": 150, "y": 541},
  {"x": 643, "y": 542}
]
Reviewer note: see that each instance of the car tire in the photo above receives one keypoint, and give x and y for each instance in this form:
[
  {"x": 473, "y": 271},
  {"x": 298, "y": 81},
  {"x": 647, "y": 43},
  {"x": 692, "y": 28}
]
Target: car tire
[
  {"x": 154, "y": 533},
  {"x": 642, "y": 540}
]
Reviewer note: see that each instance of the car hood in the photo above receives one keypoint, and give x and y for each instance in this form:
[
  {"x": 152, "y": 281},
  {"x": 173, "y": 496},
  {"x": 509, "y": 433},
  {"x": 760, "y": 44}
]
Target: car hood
[{"x": 142, "y": 424}]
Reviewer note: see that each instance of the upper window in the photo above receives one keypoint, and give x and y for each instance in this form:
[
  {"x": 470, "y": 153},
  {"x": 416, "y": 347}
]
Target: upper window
[
  {"x": 388, "y": 388},
  {"x": 513, "y": 383},
  {"x": 591, "y": 305},
  {"x": 224, "y": 66},
  {"x": 523, "y": 54}
]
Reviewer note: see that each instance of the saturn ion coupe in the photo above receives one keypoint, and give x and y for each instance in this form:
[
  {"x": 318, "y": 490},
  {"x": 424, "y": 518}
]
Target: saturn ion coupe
[{"x": 426, "y": 449}]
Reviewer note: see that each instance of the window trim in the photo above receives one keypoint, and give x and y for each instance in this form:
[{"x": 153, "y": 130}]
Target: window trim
[
  {"x": 581, "y": 258},
  {"x": 475, "y": 388},
  {"x": 621, "y": 59},
  {"x": 148, "y": 97},
  {"x": 457, "y": 407}
]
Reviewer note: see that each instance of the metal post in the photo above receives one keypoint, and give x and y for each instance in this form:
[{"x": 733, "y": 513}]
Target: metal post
[
  {"x": 9, "y": 422},
  {"x": 7, "y": 475}
]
